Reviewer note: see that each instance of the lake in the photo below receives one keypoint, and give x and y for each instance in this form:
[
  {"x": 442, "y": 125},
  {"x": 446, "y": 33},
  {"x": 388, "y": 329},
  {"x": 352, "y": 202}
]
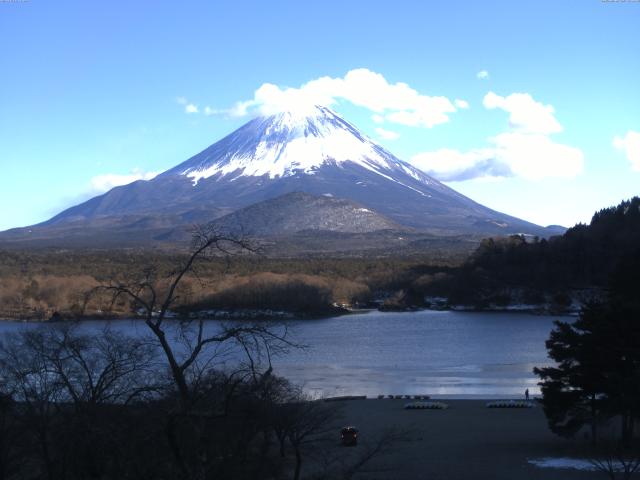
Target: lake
[{"x": 439, "y": 353}]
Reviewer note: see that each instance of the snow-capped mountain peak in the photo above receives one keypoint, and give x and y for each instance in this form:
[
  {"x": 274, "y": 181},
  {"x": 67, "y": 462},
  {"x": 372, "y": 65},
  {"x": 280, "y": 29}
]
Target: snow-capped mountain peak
[
  {"x": 302, "y": 152},
  {"x": 293, "y": 142}
]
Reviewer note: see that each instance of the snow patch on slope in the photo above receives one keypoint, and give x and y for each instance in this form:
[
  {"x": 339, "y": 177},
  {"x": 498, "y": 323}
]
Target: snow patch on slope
[
  {"x": 303, "y": 141},
  {"x": 299, "y": 154}
]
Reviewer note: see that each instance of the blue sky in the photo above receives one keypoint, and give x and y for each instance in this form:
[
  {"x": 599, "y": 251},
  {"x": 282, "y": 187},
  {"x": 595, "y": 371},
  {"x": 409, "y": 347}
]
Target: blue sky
[{"x": 93, "y": 94}]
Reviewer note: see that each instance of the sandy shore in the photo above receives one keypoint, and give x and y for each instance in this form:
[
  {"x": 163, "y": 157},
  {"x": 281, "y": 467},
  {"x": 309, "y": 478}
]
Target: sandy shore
[{"x": 466, "y": 441}]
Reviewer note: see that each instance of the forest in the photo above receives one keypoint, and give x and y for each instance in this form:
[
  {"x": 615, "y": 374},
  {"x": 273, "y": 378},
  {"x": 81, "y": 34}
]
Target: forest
[
  {"x": 551, "y": 273},
  {"x": 36, "y": 284},
  {"x": 580, "y": 261}
]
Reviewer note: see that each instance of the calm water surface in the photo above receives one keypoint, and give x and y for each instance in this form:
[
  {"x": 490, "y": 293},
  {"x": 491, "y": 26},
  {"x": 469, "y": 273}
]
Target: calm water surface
[{"x": 447, "y": 354}]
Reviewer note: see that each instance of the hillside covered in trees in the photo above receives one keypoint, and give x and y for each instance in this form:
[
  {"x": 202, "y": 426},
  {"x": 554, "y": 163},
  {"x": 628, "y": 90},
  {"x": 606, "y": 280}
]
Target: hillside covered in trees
[{"x": 521, "y": 269}]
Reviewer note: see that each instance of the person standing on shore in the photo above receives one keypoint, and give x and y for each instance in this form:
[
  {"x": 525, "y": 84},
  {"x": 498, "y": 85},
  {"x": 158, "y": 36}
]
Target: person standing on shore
[{"x": 526, "y": 394}]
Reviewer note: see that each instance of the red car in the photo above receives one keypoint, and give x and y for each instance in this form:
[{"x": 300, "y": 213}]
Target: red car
[{"x": 349, "y": 436}]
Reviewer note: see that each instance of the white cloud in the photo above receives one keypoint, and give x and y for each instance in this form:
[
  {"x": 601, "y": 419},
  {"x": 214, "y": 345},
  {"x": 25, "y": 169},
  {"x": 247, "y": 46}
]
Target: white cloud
[
  {"x": 482, "y": 75},
  {"x": 525, "y": 114},
  {"x": 452, "y": 165},
  {"x": 525, "y": 150},
  {"x": 433, "y": 111},
  {"x": 387, "y": 134},
  {"x": 105, "y": 182},
  {"x": 395, "y": 102},
  {"x": 535, "y": 156},
  {"x": 377, "y": 118},
  {"x": 630, "y": 144},
  {"x": 239, "y": 109},
  {"x": 463, "y": 104},
  {"x": 191, "y": 108},
  {"x": 208, "y": 111}
]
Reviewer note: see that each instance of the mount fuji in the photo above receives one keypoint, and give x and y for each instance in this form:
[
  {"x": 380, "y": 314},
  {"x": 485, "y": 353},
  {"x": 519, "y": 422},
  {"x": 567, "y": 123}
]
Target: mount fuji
[{"x": 313, "y": 151}]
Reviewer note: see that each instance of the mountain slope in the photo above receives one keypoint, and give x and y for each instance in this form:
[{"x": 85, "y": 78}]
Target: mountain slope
[
  {"x": 297, "y": 212},
  {"x": 313, "y": 151}
]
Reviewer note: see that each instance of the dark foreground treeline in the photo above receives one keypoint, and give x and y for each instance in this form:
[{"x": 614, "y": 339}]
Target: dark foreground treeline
[{"x": 108, "y": 406}]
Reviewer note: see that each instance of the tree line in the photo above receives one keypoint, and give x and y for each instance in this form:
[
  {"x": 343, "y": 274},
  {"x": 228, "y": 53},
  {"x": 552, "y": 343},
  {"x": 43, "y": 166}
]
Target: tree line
[
  {"x": 546, "y": 270},
  {"x": 35, "y": 284}
]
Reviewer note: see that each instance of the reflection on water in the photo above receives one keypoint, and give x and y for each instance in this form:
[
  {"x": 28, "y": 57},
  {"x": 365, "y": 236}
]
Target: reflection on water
[
  {"x": 452, "y": 354},
  {"x": 436, "y": 353}
]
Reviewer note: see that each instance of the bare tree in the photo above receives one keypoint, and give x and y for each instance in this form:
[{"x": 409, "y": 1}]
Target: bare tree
[
  {"x": 95, "y": 407},
  {"x": 65, "y": 382},
  {"x": 304, "y": 422},
  {"x": 192, "y": 357},
  {"x": 27, "y": 377},
  {"x": 146, "y": 295},
  {"x": 109, "y": 368}
]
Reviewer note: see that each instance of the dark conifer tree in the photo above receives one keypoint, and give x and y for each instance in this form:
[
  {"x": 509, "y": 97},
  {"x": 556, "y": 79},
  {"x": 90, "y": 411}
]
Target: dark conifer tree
[
  {"x": 573, "y": 391},
  {"x": 598, "y": 361}
]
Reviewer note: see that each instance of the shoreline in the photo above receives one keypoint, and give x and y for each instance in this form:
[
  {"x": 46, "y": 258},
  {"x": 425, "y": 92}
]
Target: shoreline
[
  {"x": 463, "y": 397},
  {"x": 215, "y": 315},
  {"x": 469, "y": 309},
  {"x": 284, "y": 315}
]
